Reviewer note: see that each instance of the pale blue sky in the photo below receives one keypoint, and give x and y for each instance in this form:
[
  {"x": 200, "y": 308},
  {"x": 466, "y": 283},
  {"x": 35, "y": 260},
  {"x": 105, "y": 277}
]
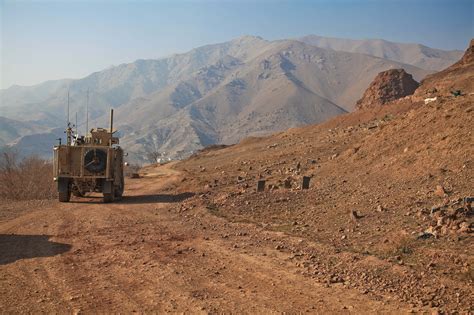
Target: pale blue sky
[{"x": 43, "y": 40}]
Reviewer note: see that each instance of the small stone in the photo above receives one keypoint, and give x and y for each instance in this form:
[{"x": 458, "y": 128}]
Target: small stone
[
  {"x": 354, "y": 216},
  {"x": 440, "y": 191},
  {"x": 464, "y": 227}
]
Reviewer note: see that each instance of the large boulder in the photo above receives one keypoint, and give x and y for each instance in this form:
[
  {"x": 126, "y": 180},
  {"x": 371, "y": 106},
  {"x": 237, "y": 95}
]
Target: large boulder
[{"x": 388, "y": 86}]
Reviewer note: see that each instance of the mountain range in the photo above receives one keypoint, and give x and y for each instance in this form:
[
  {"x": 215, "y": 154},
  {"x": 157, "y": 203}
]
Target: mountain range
[{"x": 217, "y": 93}]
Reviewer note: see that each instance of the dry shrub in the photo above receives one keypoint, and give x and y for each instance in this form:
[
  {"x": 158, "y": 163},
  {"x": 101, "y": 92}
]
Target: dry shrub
[{"x": 27, "y": 179}]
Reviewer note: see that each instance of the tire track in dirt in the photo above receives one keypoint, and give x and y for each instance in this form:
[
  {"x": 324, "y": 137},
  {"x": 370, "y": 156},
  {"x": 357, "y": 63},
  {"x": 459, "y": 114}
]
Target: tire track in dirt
[{"x": 140, "y": 255}]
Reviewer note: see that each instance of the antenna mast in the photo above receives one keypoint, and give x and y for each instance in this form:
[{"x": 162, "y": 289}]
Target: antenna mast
[
  {"x": 87, "y": 113},
  {"x": 68, "y": 108},
  {"x": 68, "y": 129}
]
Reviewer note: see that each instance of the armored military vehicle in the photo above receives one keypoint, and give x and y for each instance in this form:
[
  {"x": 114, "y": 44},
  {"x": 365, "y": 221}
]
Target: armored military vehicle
[{"x": 91, "y": 163}]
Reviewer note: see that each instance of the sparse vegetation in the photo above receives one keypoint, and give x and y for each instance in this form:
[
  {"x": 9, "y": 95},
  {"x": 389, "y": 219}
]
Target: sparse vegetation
[
  {"x": 153, "y": 156},
  {"x": 25, "y": 179}
]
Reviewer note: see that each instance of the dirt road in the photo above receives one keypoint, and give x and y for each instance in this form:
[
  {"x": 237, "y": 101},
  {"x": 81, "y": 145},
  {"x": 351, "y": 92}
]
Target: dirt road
[{"x": 148, "y": 253}]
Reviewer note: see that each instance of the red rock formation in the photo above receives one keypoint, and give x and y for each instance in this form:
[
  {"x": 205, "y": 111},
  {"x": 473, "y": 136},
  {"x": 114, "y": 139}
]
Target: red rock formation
[{"x": 386, "y": 87}]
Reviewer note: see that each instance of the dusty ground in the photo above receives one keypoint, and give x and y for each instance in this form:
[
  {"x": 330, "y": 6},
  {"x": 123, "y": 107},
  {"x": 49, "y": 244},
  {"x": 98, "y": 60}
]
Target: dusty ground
[
  {"x": 404, "y": 169},
  {"x": 147, "y": 254}
]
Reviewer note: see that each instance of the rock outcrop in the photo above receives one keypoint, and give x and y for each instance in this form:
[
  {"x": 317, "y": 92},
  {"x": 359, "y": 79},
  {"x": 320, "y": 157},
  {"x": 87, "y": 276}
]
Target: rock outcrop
[
  {"x": 388, "y": 86},
  {"x": 468, "y": 57},
  {"x": 455, "y": 80}
]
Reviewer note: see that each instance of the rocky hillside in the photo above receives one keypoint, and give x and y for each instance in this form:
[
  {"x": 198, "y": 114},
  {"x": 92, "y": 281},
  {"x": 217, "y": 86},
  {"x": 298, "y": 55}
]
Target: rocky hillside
[
  {"x": 218, "y": 93},
  {"x": 389, "y": 208},
  {"x": 456, "y": 79},
  {"x": 388, "y": 86}
]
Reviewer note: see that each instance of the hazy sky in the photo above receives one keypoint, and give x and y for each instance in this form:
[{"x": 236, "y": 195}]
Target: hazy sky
[{"x": 43, "y": 40}]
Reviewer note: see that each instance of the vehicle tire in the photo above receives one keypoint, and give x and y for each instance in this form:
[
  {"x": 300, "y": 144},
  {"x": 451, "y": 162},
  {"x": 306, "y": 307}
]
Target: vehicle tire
[
  {"x": 64, "y": 190},
  {"x": 118, "y": 193},
  {"x": 64, "y": 196},
  {"x": 119, "y": 190},
  {"x": 109, "y": 197}
]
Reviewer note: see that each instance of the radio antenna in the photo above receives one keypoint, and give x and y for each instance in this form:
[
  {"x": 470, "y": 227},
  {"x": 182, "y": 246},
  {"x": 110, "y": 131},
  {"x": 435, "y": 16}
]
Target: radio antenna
[
  {"x": 87, "y": 112},
  {"x": 68, "y": 129},
  {"x": 68, "y": 108},
  {"x": 77, "y": 132}
]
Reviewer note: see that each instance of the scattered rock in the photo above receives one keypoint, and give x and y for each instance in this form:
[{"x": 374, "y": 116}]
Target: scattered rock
[
  {"x": 354, "y": 216},
  {"x": 440, "y": 191},
  {"x": 465, "y": 227},
  {"x": 425, "y": 235},
  {"x": 430, "y": 100}
]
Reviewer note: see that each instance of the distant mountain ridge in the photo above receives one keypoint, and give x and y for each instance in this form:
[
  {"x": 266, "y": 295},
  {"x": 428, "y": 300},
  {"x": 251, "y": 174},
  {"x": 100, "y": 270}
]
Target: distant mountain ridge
[
  {"x": 217, "y": 93},
  {"x": 414, "y": 54}
]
